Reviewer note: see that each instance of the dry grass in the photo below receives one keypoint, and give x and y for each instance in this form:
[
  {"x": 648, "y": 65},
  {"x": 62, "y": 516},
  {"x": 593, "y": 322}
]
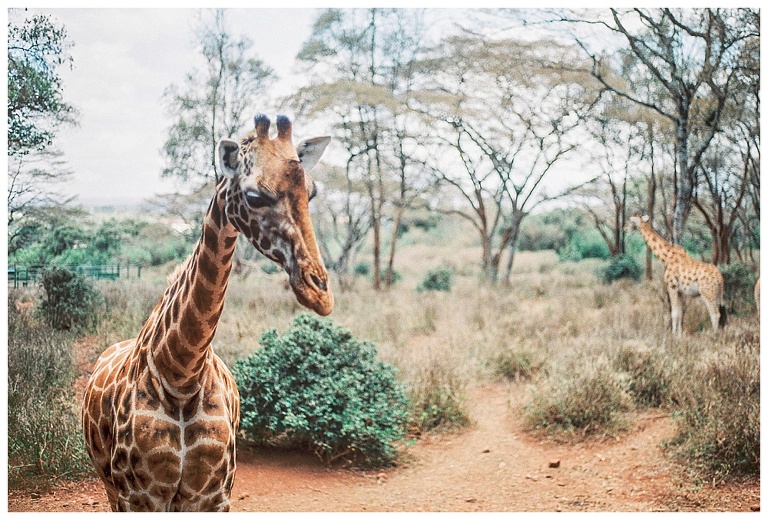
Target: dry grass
[{"x": 587, "y": 352}]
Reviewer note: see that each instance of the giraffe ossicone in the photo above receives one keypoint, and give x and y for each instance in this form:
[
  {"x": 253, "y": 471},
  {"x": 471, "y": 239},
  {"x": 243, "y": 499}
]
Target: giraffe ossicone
[
  {"x": 161, "y": 411},
  {"x": 684, "y": 277}
]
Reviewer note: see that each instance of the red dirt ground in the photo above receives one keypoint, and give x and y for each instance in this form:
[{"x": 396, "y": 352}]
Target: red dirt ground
[{"x": 495, "y": 465}]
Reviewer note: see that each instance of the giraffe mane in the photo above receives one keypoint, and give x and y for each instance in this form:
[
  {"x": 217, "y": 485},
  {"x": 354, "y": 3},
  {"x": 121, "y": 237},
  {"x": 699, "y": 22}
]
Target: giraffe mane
[{"x": 180, "y": 268}]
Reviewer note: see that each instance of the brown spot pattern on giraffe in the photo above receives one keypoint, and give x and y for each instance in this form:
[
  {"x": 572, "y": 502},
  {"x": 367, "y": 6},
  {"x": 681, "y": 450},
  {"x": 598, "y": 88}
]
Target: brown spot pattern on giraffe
[{"x": 170, "y": 442}]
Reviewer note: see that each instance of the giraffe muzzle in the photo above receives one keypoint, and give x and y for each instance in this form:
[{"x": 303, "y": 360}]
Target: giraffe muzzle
[{"x": 312, "y": 290}]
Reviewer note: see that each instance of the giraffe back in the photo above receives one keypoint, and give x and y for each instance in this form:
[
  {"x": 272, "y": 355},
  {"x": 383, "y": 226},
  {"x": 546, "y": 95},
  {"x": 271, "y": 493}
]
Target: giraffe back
[{"x": 694, "y": 278}]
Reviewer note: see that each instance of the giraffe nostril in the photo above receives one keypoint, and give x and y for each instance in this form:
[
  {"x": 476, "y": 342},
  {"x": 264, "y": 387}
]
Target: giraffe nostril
[{"x": 320, "y": 284}]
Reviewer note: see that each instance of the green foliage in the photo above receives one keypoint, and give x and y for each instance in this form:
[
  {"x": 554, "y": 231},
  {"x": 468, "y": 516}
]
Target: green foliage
[
  {"x": 203, "y": 105},
  {"x": 36, "y": 49},
  {"x": 586, "y": 244},
  {"x": 316, "y": 385},
  {"x": 621, "y": 266},
  {"x": 71, "y": 239},
  {"x": 70, "y": 300},
  {"x": 362, "y": 268},
  {"x": 740, "y": 282},
  {"x": 45, "y": 439},
  {"x": 440, "y": 279},
  {"x": 396, "y": 276},
  {"x": 425, "y": 222},
  {"x": 551, "y": 230}
]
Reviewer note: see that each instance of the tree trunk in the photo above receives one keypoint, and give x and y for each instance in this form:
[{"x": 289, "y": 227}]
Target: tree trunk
[
  {"x": 376, "y": 224},
  {"x": 389, "y": 275},
  {"x": 684, "y": 181},
  {"x": 514, "y": 233}
]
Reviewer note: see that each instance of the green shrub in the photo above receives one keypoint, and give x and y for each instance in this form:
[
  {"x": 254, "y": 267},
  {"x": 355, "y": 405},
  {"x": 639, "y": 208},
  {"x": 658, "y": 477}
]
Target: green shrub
[
  {"x": 396, "y": 277},
  {"x": 318, "y": 386},
  {"x": 362, "y": 268},
  {"x": 44, "y": 434},
  {"x": 740, "y": 282},
  {"x": 70, "y": 300},
  {"x": 584, "y": 245},
  {"x": 440, "y": 279},
  {"x": 621, "y": 266},
  {"x": 426, "y": 222}
]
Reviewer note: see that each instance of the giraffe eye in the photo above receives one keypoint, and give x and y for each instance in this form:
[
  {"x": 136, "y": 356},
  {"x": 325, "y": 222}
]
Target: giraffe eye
[{"x": 257, "y": 199}]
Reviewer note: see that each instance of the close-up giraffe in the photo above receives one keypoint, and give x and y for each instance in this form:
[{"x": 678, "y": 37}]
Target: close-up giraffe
[
  {"x": 161, "y": 411},
  {"x": 684, "y": 277}
]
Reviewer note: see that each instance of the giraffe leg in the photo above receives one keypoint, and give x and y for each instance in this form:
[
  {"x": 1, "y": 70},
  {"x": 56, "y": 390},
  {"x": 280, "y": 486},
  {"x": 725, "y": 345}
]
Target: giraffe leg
[
  {"x": 677, "y": 307},
  {"x": 714, "y": 313}
]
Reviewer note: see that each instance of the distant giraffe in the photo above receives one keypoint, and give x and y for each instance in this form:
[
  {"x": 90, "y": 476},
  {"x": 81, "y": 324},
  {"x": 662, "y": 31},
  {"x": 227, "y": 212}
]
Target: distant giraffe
[
  {"x": 161, "y": 411},
  {"x": 684, "y": 277}
]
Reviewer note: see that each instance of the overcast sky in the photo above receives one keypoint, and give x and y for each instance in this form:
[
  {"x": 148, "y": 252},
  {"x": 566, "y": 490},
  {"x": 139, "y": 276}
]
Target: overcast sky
[{"x": 123, "y": 61}]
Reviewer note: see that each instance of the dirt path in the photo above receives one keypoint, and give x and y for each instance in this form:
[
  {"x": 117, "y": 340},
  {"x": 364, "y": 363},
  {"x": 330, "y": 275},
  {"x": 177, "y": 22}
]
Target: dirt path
[{"x": 493, "y": 466}]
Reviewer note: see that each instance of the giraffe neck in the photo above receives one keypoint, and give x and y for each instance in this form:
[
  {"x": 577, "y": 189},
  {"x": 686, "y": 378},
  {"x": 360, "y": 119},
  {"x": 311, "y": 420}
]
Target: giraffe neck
[
  {"x": 177, "y": 340},
  {"x": 660, "y": 247}
]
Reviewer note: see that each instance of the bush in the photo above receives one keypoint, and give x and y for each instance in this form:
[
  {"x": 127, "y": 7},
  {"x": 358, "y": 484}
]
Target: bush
[
  {"x": 719, "y": 430},
  {"x": 518, "y": 364},
  {"x": 740, "y": 282},
  {"x": 588, "y": 400},
  {"x": 318, "y": 386},
  {"x": 363, "y": 268},
  {"x": 70, "y": 300},
  {"x": 396, "y": 277},
  {"x": 440, "y": 279},
  {"x": 584, "y": 245},
  {"x": 44, "y": 434},
  {"x": 621, "y": 266},
  {"x": 650, "y": 376},
  {"x": 437, "y": 398}
]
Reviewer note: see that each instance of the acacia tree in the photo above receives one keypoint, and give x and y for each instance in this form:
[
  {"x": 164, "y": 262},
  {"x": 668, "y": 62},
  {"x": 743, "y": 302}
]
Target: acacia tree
[
  {"x": 359, "y": 64},
  {"x": 37, "y": 49},
  {"x": 693, "y": 56},
  {"x": 215, "y": 101},
  {"x": 720, "y": 195},
  {"x": 507, "y": 128},
  {"x": 32, "y": 182},
  {"x": 729, "y": 168},
  {"x": 629, "y": 156},
  {"x": 342, "y": 221}
]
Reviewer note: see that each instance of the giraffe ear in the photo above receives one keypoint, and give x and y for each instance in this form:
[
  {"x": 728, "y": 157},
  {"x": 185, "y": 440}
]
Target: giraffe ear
[
  {"x": 227, "y": 152},
  {"x": 310, "y": 151}
]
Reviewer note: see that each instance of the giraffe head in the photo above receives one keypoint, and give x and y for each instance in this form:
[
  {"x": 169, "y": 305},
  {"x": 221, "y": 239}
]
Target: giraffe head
[
  {"x": 635, "y": 221},
  {"x": 267, "y": 200}
]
